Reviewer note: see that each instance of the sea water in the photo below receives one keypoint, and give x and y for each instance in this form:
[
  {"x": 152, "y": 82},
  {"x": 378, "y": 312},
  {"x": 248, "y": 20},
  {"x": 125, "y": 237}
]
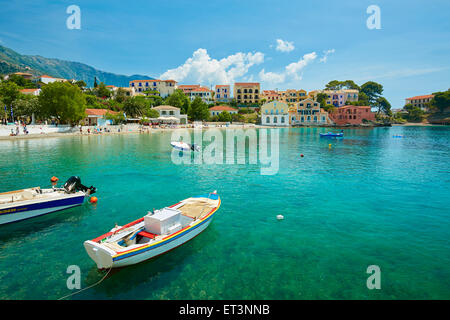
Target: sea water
[{"x": 367, "y": 199}]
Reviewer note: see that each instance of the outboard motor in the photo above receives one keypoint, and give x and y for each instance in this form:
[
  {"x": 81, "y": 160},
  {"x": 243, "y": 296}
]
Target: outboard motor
[{"x": 74, "y": 184}]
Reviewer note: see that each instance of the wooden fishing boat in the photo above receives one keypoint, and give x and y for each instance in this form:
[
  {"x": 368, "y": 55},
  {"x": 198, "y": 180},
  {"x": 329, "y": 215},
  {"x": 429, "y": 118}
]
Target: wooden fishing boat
[
  {"x": 154, "y": 234},
  {"x": 32, "y": 202}
]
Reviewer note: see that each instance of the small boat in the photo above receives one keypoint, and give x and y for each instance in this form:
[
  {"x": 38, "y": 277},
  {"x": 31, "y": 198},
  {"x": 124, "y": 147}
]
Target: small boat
[
  {"x": 332, "y": 134},
  {"x": 154, "y": 234},
  {"x": 32, "y": 202},
  {"x": 183, "y": 146}
]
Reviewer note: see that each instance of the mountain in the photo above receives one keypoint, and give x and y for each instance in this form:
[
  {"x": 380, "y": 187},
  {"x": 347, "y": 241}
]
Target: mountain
[{"x": 11, "y": 61}]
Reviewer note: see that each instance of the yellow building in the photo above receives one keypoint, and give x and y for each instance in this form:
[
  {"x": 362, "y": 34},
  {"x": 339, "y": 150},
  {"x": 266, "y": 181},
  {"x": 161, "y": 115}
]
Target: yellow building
[
  {"x": 247, "y": 92},
  {"x": 275, "y": 113},
  {"x": 291, "y": 96},
  {"x": 308, "y": 112}
]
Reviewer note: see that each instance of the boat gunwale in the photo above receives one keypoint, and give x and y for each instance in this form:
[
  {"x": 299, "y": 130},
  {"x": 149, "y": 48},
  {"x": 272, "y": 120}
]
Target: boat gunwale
[
  {"x": 163, "y": 240},
  {"x": 21, "y": 203}
]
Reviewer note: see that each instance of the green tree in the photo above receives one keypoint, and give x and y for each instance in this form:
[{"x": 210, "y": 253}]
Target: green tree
[
  {"x": 26, "y": 105},
  {"x": 102, "y": 91},
  {"x": 22, "y": 82},
  {"x": 441, "y": 100},
  {"x": 383, "y": 106},
  {"x": 134, "y": 107},
  {"x": 115, "y": 118},
  {"x": 81, "y": 84},
  {"x": 64, "y": 101},
  {"x": 9, "y": 91},
  {"x": 178, "y": 99},
  {"x": 198, "y": 110},
  {"x": 333, "y": 85},
  {"x": 121, "y": 95},
  {"x": 322, "y": 98},
  {"x": 95, "y": 82},
  {"x": 152, "y": 113},
  {"x": 415, "y": 114},
  {"x": 372, "y": 90},
  {"x": 225, "y": 116}
]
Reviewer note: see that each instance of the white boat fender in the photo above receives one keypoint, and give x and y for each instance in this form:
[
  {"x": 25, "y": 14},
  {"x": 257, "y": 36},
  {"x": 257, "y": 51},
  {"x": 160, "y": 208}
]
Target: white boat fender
[{"x": 280, "y": 217}]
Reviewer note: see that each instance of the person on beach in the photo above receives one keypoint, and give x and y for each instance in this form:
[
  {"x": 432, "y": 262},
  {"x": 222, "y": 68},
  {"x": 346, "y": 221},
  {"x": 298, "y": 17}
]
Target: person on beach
[{"x": 89, "y": 130}]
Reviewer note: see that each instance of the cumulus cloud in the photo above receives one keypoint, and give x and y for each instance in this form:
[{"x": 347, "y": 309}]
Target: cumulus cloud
[
  {"x": 325, "y": 55},
  {"x": 284, "y": 46},
  {"x": 291, "y": 71},
  {"x": 201, "y": 68}
]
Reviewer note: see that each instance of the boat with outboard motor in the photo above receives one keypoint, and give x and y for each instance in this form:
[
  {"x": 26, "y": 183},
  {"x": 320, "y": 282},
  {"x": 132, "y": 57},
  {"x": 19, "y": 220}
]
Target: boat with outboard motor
[
  {"x": 183, "y": 146},
  {"x": 154, "y": 234},
  {"x": 32, "y": 202}
]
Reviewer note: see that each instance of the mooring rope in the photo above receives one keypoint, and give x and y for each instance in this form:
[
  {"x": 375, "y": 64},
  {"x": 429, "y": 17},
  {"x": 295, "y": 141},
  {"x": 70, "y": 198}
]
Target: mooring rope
[{"x": 91, "y": 286}]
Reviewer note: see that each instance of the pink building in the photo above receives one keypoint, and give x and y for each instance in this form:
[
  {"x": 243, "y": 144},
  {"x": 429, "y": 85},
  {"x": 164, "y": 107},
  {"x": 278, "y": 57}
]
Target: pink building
[{"x": 352, "y": 115}]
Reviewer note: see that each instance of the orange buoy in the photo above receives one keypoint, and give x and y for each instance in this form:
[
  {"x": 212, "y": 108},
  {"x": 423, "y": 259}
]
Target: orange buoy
[
  {"x": 93, "y": 200},
  {"x": 54, "y": 179},
  {"x": 301, "y": 155}
]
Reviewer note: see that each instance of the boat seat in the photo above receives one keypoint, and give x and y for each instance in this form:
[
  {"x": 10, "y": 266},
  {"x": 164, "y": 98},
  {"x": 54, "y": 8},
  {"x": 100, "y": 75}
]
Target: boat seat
[{"x": 147, "y": 234}]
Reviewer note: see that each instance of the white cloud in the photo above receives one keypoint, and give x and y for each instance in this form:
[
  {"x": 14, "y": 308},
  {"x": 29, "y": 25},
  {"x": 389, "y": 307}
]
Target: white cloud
[
  {"x": 202, "y": 69},
  {"x": 325, "y": 55},
  {"x": 284, "y": 46},
  {"x": 291, "y": 72}
]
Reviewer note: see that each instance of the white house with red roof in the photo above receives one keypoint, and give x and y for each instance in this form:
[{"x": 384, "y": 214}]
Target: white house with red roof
[
  {"x": 420, "y": 101},
  {"x": 97, "y": 117},
  {"x": 216, "y": 110},
  {"x": 34, "y": 92},
  {"x": 47, "y": 79}
]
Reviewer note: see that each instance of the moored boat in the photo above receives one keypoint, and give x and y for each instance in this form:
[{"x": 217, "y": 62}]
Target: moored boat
[
  {"x": 332, "y": 134},
  {"x": 183, "y": 146},
  {"x": 154, "y": 234},
  {"x": 32, "y": 202}
]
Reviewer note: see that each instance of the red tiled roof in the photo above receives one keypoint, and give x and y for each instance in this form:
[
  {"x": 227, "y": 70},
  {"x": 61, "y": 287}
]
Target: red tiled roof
[
  {"x": 99, "y": 112},
  {"x": 421, "y": 97},
  {"x": 28, "y": 90},
  {"x": 222, "y": 108},
  {"x": 201, "y": 89},
  {"x": 222, "y": 85}
]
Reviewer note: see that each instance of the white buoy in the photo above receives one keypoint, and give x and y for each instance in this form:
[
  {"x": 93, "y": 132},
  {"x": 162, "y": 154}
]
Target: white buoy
[{"x": 280, "y": 217}]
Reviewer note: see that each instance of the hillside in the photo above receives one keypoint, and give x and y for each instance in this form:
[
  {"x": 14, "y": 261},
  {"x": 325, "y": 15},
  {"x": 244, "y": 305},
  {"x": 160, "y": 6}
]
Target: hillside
[{"x": 11, "y": 61}]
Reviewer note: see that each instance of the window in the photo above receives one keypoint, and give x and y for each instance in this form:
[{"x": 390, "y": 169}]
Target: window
[
  {"x": 267, "y": 119},
  {"x": 132, "y": 84},
  {"x": 267, "y": 111},
  {"x": 275, "y": 120},
  {"x": 303, "y": 119},
  {"x": 140, "y": 84},
  {"x": 282, "y": 119}
]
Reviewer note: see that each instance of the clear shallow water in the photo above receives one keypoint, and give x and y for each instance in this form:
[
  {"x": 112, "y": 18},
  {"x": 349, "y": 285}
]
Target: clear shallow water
[{"x": 370, "y": 199}]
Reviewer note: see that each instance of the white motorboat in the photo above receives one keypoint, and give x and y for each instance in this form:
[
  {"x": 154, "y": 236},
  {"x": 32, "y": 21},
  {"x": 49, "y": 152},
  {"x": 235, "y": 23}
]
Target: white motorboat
[{"x": 32, "y": 202}]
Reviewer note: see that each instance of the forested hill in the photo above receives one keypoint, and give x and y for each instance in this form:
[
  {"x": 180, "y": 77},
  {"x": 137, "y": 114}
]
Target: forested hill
[{"x": 11, "y": 61}]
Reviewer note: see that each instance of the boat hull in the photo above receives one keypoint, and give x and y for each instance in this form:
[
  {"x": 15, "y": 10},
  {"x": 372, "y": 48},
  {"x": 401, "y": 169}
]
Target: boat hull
[
  {"x": 105, "y": 258},
  {"x": 21, "y": 212}
]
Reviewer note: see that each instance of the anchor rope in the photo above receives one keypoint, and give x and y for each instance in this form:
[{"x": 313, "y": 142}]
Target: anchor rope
[{"x": 91, "y": 286}]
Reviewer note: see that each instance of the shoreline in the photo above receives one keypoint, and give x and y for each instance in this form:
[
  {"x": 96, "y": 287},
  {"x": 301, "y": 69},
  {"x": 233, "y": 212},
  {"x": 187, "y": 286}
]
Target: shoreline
[{"x": 152, "y": 130}]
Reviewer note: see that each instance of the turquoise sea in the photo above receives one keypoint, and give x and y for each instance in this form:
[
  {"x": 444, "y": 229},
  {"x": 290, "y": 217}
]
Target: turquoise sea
[{"x": 369, "y": 199}]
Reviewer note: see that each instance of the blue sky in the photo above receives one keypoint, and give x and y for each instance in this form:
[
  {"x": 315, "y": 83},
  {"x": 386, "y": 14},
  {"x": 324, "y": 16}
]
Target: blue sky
[{"x": 217, "y": 41}]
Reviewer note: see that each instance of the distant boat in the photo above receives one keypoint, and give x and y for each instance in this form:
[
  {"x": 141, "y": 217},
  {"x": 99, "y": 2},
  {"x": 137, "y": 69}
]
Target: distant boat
[
  {"x": 332, "y": 134},
  {"x": 32, "y": 202},
  {"x": 154, "y": 234},
  {"x": 183, "y": 146}
]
